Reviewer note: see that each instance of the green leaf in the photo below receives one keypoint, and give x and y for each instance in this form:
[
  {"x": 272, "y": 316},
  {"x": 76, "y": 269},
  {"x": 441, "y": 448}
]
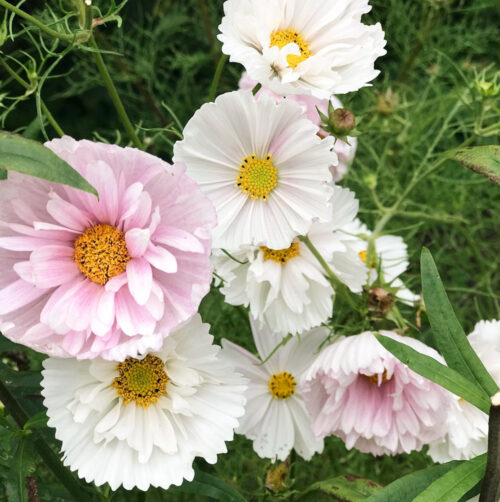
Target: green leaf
[
  {"x": 429, "y": 368},
  {"x": 209, "y": 486},
  {"x": 484, "y": 160},
  {"x": 347, "y": 488},
  {"x": 405, "y": 489},
  {"x": 455, "y": 483},
  {"x": 32, "y": 158},
  {"x": 38, "y": 421},
  {"x": 22, "y": 465},
  {"x": 3, "y": 174},
  {"x": 448, "y": 333}
]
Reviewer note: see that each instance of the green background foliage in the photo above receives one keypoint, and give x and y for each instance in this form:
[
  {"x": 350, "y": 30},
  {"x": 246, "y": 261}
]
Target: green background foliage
[{"x": 430, "y": 98}]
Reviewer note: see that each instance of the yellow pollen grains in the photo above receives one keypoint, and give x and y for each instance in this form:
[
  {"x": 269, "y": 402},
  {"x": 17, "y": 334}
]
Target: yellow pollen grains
[
  {"x": 282, "y": 385},
  {"x": 101, "y": 253},
  {"x": 364, "y": 257},
  {"x": 143, "y": 381},
  {"x": 281, "y": 38},
  {"x": 373, "y": 379},
  {"x": 280, "y": 255},
  {"x": 257, "y": 177}
]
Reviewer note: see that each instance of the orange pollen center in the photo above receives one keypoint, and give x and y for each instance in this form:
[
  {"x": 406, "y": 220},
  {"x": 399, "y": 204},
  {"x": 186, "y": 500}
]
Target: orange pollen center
[
  {"x": 280, "y": 255},
  {"x": 101, "y": 253},
  {"x": 282, "y": 385},
  {"x": 374, "y": 379}
]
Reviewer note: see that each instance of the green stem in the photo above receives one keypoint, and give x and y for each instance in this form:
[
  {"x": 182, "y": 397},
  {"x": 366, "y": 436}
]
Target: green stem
[
  {"x": 70, "y": 37},
  {"x": 283, "y": 342},
  {"x": 49, "y": 458},
  {"x": 113, "y": 94},
  {"x": 45, "y": 110},
  {"x": 257, "y": 88},
  {"x": 338, "y": 286},
  {"x": 218, "y": 73},
  {"x": 491, "y": 481}
]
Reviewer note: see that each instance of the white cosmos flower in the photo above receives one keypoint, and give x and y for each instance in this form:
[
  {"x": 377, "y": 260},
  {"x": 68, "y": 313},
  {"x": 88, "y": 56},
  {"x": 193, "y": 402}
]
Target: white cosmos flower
[
  {"x": 141, "y": 422},
  {"x": 286, "y": 288},
  {"x": 317, "y": 47},
  {"x": 467, "y": 426},
  {"x": 275, "y": 416},
  {"x": 262, "y": 165},
  {"x": 390, "y": 258}
]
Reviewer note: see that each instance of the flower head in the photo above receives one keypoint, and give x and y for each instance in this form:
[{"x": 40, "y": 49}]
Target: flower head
[
  {"x": 467, "y": 427},
  {"x": 310, "y": 106},
  {"x": 142, "y": 421},
  {"x": 357, "y": 390},
  {"x": 263, "y": 166},
  {"x": 286, "y": 288},
  {"x": 317, "y": 47},
  {"x": 275, "y": 415},
  {"x": 90, "y": 276}
]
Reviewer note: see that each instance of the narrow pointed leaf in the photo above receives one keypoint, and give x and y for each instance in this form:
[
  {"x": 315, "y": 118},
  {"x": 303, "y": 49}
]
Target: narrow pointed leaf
[
  {"x": 32, "y": 158},
  {"x": 484, "y": 160},
  {"x": 433, "y": 370},
  {"x": 448, "y": 333},
  {"x": 348, "y": 488},
  {"x": 405, "y": 489},
  {"x": 455, "y": 483}
]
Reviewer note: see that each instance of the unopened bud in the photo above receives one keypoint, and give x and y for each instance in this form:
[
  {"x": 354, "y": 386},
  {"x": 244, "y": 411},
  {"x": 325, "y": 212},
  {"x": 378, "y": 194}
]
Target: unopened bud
[
  {"x": 342, "y": 121},
  {"x": 276, "y": 477}
]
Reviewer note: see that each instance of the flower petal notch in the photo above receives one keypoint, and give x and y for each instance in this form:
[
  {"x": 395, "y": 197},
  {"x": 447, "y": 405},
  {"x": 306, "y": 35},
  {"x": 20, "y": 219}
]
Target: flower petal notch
[
  {"x": 85, "y": 276},
  {"x": 262, "y": 165},
  {"x": 316, "y": 47},
  {"x": 141, "y": 422}
]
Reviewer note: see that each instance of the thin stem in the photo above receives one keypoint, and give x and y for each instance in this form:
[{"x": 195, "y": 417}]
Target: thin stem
[
  {"x": 45, "y": 110},
  {"x": 338, "y": 286},
  {"x": 217, "y": 74},
  {"x": 256, "y": 89},
  {"x": 49, "y": 458},
  {"x": 113, "y": 94},
  {"x": 283, "y": 342},
  {"x": 491, "y": 481},
  {"x": 70, "y": 37}
]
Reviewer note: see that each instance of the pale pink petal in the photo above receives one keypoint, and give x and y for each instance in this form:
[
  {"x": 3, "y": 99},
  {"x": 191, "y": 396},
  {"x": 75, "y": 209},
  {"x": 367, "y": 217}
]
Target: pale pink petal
[
  {"x": 179, "y": 239},
  {"x": 137, "y": 241},
  {"x": 140, "y": 279},
  {"x": 161, "y": 259},
  {"x": 17, "y": 295}
]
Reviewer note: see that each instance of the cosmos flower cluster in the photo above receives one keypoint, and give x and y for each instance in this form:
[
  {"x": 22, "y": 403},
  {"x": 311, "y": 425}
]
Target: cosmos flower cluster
[{"x": 109, "y": 286}]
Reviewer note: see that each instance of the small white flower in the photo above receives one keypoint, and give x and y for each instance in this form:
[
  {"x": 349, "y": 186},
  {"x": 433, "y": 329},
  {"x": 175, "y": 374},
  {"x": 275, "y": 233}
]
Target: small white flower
[
  {"x": 262, "y": 165},
  {"x": 467, "y": 426},
  {"x": 287, "y": 288},
  {"x": 275, "y": 416},
  {"x": 317, "y": 47},
  {"x": 141, "y": 422},
  {"x": 390, "y": 258}
]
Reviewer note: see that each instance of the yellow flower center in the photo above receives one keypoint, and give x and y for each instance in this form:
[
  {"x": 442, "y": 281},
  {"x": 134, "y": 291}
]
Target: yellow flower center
[
  {"x": 364, "y": 257},
  {"x": 280, "y": 255},
  {"x": 101, "y": 253},
  {"x": 141, "y": 380},
  {"x": 257, "y": 177},
  {"x": 281, "y": 38},
  {"x": 282, "y": 385},
  {"x": 373, "y": 379}
]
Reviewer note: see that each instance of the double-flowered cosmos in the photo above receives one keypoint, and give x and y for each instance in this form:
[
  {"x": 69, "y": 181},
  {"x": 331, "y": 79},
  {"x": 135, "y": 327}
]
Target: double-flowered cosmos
[{"x": 109, "y": 287}]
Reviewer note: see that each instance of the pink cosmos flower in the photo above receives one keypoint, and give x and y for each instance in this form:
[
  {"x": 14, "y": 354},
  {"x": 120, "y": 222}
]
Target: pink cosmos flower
[
  {"x": 345, "y": 151},
  {"x": 357, "y": 390},
  {"x": 85, "y": 276}
]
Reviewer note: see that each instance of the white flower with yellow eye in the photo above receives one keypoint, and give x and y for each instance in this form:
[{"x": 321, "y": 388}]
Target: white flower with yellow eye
[
  {"x": 276, "y": 419},
  {"x": 141, "y": 422},
  {"x": 263, "y": 166},
  {"x": 287, "y": 288},
  {"x": 317, "y": 47}
]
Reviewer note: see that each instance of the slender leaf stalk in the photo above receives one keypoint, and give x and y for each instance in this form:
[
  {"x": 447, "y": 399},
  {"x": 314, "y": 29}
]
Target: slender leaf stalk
[
  {"x": 491, "y": 481},
  {"x": 113, "y": 94},
  {"x": 218, "y": 73}
]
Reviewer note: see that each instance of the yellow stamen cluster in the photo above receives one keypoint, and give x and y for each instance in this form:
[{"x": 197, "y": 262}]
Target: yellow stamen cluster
[
  {"x": 374, "y": 379},
  {"x": 281, "y": 255},
  {"x": 282, "y": 385},
  {"x": 101, "y": 253},
  {"x": 281, "y": 38},
  {"x": 257, "y": 177},
  {"x": 143, "y": 381},
  {"x": 364, "y": 258}
]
